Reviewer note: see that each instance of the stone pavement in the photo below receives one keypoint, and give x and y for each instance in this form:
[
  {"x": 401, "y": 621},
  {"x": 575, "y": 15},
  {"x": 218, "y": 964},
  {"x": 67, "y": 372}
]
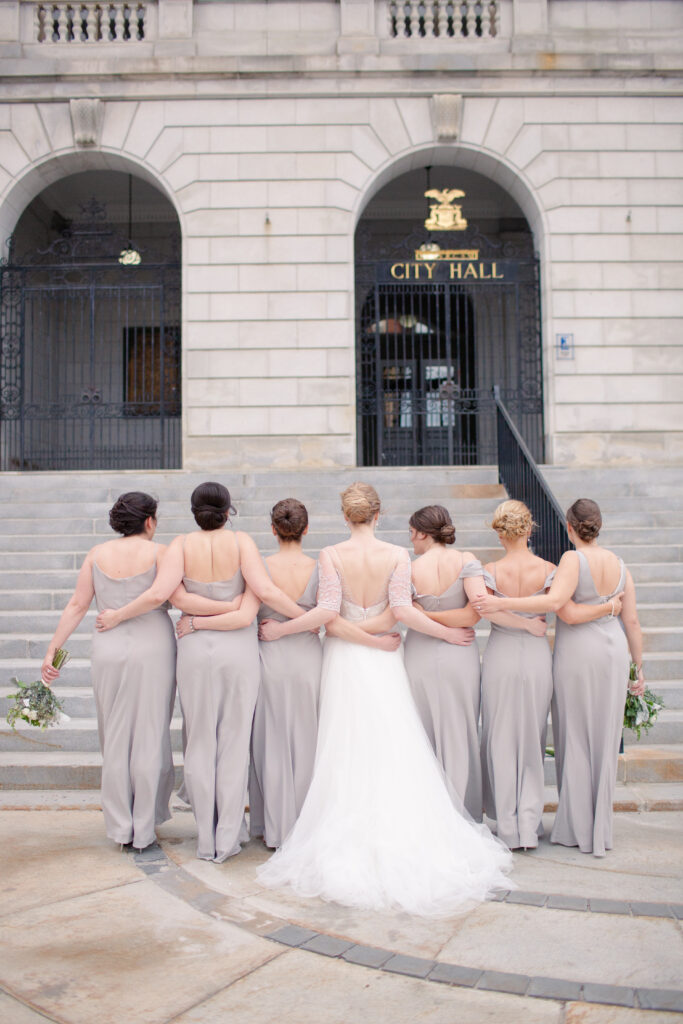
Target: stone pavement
[{"x": 90, "y": 934}]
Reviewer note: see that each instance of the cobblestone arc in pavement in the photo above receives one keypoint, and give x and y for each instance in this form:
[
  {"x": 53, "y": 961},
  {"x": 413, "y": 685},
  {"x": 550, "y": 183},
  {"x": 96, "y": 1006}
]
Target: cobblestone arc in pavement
[{"x": 157, "y": 866}]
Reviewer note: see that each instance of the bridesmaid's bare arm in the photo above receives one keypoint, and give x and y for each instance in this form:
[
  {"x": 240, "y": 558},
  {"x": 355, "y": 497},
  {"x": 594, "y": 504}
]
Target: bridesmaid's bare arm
[
  {"x": 575, "y": 614},
  {"x": 239, "y": 619},
  {"x": 466, "y": 616},
  {"x": 475, "y": 588},
  {"x": 71, "y": 617},
  {"x": 353, "y": 633},
  {"x": 256, "y": 575},
  {"x": 629, "y": 617},
  {"x": 197, "y": 604}
]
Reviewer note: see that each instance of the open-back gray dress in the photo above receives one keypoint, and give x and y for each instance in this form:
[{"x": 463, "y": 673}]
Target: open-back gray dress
[
  {"x": 445, "y": 683},
  {"x": 590, "y": 672},
  {"x": 516, "y": 688},
  {"x": 218, "y": 681},
  {"x": 285, "y": 725},
  {"x": 133, "y": 678}
]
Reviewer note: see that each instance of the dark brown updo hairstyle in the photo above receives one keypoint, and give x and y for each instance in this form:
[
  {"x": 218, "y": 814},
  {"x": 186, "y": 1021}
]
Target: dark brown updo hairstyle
[
  {"x": 211, "y": 506},
  {"x": 435, "y": 521},
  {"x": 289, "y": 518},
  {"x": 585, "y": 519},
  {"x": 130, "y": 511},
  {"x": 360, "y": 503}
]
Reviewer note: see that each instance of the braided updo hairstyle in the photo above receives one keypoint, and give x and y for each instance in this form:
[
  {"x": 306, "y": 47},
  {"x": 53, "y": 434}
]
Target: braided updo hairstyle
[
  {"x": 585, "y": 519},
  {"x": 512, "y": 519},
  {"x": 289, "y": 518},
  {"x": 435, "y": 522},
  {"x": 211, "y": 506},
  {"x": 360, "y": 503},
  {"x": 130, "y": 511}
]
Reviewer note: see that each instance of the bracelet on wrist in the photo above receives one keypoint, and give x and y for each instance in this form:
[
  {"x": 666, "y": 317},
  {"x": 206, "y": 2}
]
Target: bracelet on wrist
[{"x": 191, "y": 624}]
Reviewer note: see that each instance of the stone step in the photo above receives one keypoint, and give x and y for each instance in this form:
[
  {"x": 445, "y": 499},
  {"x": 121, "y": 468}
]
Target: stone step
[
  {"x": 655, "y": 572},
  {"x": 81, "y": 770},
  {"x": 57, "y": 770},
  {"x": 667, "y": 729},
  {"x": 79, "y": 734},
  {"x": 662, "y": 665}
]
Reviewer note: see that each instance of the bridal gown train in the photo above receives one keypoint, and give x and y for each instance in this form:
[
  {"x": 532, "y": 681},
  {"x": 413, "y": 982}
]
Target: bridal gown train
[{"x": 378, "y": 828}]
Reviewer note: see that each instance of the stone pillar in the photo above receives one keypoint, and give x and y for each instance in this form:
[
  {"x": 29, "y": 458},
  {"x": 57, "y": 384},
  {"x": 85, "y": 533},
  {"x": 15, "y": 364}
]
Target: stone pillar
[
  {"x": 529, "y": 25},
  {"x": 357, "y": 33},
  {"x": 174, "y": 30}
]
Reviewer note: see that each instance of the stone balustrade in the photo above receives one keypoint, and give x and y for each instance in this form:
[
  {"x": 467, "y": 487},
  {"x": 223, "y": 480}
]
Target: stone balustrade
[{"x": 90, "y": 22}]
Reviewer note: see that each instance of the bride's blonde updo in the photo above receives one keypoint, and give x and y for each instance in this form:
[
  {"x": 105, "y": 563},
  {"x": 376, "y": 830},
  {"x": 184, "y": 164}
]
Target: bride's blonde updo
[
  {"x": 512, "y": 519},
  {"x": 360, "y": 502}
]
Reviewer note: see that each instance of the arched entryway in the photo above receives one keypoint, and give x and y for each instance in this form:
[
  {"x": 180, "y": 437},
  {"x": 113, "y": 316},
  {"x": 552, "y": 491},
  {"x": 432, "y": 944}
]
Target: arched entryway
[
  {"x": 90, "y": 329},
  {"x": 444, "y": 312}
]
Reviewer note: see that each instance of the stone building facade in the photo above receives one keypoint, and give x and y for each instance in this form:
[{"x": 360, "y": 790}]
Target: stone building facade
[{"x": 267, "y": 135}]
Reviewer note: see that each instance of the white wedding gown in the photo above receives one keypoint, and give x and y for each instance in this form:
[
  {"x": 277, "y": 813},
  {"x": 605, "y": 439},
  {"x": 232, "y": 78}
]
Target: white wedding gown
[{"x": 378, "y": 828}]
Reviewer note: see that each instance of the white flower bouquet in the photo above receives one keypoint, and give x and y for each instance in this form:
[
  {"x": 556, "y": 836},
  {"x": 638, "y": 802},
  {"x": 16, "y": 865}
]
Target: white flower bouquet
[
  {"x": 640, "y": 712},
  {"x": 35, "y": 703}
]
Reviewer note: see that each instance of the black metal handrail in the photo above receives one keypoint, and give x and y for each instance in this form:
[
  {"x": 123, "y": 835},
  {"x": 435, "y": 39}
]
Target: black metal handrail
[{"x": 522, "y": 479}]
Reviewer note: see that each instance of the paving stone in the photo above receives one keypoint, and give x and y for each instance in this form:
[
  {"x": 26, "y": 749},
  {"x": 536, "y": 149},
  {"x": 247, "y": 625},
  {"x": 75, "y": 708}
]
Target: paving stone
[
  {"x": 558, "y": 902},
  {"x": 208, "y": 901},
  {"x": 452, "y": 974},
  {"x": 328, "y": 945},
  {"x": 554, "y": 988},
  {"x": 660, "y": 999},
  {"x": 615, "y": 995},
  {"x": 651, "y": 909},
  {"x": 677, "y": 910},
  {"x": 501, "y": 981},
  {"x": 499, "y": 897},
  {"x": 292, "y": 935},
  {"x": 367, "y": 956},
  {"x": 414, "y": 966},
  {"x": 599, "y": 906},
  {"x": 531, "y": 899}
]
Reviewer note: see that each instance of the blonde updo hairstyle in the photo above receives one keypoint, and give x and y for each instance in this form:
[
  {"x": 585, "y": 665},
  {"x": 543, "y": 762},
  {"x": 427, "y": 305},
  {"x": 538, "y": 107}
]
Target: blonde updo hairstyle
[
  {"x": 435, "y": 522},
  {"x": 512, "y": 519},
  {"x": 360, "y": 503},
  {"x": 585, "y": 519}
]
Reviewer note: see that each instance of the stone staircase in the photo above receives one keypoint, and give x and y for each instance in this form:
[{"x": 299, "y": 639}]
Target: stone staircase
[{"x": 49, "y": 520}]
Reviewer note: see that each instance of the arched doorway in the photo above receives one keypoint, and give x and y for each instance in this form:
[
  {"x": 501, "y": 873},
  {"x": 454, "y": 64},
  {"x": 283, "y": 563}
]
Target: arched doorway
[
  {"x": 90, "y": 329},
  {"x": 444, "y": 312}
]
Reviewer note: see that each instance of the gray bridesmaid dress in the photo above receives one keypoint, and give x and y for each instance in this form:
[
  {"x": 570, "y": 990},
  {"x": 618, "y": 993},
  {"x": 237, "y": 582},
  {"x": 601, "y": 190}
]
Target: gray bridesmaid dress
[
  {"x": 285, "y": 725},
  {"x": 445, "y": 683},
  {"x": 133, "y": 678},
  {"x": 590, "y": 673},
  {"x": 218, "y": 681},
  {"x": 516, "y": 688}
]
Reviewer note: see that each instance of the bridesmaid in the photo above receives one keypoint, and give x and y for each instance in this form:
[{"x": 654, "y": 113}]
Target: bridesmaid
[
  {"x": 218, "y": 673},
  {"x": 517, "y": 685},
  {"x": 590, "y": 673},
  {"x": 286, "y": 720},
  {"x": 133, "y": 674},
  {"x": 444, "y": 676}
]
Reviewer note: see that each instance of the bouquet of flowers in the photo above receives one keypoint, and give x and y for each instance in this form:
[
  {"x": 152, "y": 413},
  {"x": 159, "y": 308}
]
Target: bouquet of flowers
[
  {"x": 35, "y": 703},
  {"x": 640, "y": 712}
]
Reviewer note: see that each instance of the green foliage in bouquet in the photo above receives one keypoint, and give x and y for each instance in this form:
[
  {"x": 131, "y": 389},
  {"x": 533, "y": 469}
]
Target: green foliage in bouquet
[
  {"x": 35, "y": 703},
  {"x": 640, "y": 712}
]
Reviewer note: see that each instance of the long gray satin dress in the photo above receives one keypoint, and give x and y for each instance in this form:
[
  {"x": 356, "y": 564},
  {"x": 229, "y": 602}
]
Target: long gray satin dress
[
  {"x": 445, "y": 683},
  {"x": 516, "y": 688},
  {"x": 218, "y": 681},
  {"x": 590, "y": 672},
  {"x": 133, "y": 678},
  {"x": 285, "y": 725}
]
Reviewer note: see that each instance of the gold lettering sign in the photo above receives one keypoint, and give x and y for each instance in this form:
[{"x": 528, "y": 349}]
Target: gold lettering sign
[
  {"x": 443, "y": 215},
  {"x": 461, "y": 270}
]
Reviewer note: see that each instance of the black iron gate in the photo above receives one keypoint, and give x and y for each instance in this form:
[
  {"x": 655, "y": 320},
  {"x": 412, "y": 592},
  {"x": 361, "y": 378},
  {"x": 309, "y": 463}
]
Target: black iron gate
[
  {"x": 89, "y": 357},
  {"x": 437, "y": 327}
]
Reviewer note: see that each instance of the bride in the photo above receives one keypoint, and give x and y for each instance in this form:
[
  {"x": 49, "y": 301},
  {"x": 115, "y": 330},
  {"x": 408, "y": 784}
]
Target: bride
[{"x": 378, "y": 828}]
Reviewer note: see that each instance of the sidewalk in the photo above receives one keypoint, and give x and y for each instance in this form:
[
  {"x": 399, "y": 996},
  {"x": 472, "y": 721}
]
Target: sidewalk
[{"x": 90, "y": 934}]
